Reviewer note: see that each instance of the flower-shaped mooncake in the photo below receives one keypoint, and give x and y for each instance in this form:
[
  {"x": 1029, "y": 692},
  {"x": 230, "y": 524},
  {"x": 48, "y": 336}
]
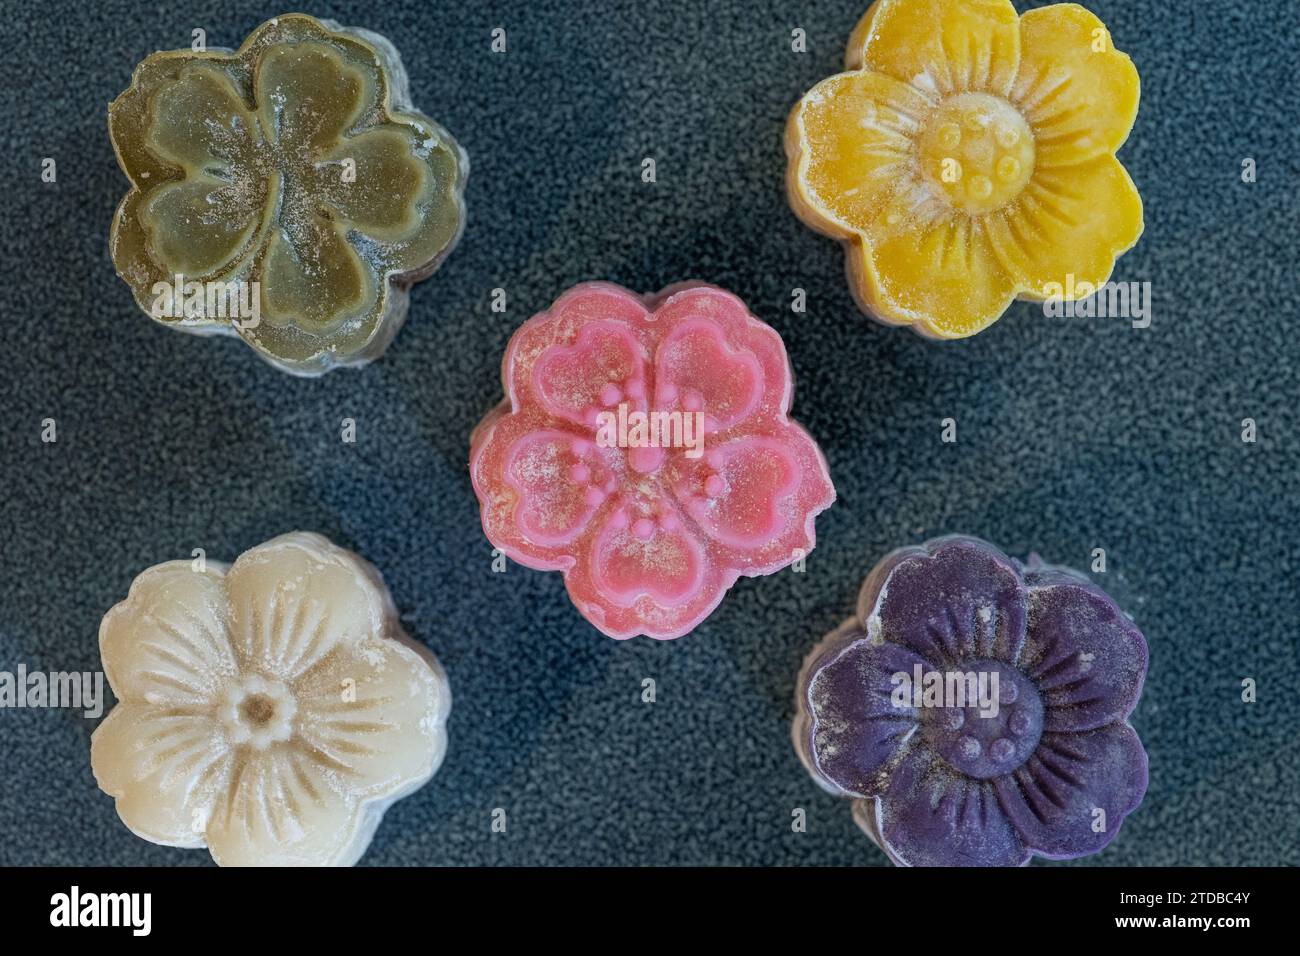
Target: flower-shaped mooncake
[
  {"x": 286, "y": 192},
  {"x": 271, "y": 711},
  {"x": 643, "y": 448},
  {"x": 977, "y": 709},
  {"x": 967, "y": 158}
]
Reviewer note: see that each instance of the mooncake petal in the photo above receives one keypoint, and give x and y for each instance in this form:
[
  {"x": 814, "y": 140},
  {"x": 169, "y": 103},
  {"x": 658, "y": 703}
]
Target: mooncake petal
[
  {"x": 560, "y": 480},
  {"x": 604, "y": 366},
  {"x": 199, "y": 226},
  {"x": 850, "y": 142},
  {"x": 646, "y": 575},
  {"x": 945, "y": 46},
  {"x": 737, "y": 493},
  {"x": 295, "y": 600},
  {"x": 312, "y": 278},
  {"x": 167, "y": 644},
  {"x": 559, "y": 327},
  {"x": 920, "y": 264},
  {"x": 374, "y": 713},
  {"x": 1067, "y": 228},
  {"x": 375, "y": 183},
  {"x": 1071, "y": 795},
  {"x": 755, "y": 496},
  {"x": 539, "y": 533},
  {"x": 199, "y": 121},
  {"x": 697, "y": 371},
  {"x": 855, "y": 729},
  {"x": 954, "y": 600},
  {"x": 1087, "y": 658},
  {"x": 282, "y": 807},
  {"x": 307, "y": 96},
  {"x": 701, "y": 324},
  {"x": 932, "y": 816},
  {"x": 1079, "y": 94},
  {"x": 165, "y": 767},
  {"x": 663, "y": 563}
]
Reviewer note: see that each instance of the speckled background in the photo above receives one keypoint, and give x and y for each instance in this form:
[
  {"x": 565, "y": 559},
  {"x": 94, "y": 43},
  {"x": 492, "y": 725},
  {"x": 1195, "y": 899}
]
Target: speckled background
[{"x": 1073, "y": 433}]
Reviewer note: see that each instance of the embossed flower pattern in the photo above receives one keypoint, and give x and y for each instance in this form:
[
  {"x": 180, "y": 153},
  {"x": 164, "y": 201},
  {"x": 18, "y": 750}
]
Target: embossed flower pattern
[
  {"x": 967, "y": 158},
  {"x": 296, "y": 163},
  {"x": 649, "y": 538},
  {"x": 270, "y": 711},
  {"x": 1053, "y": 773}
]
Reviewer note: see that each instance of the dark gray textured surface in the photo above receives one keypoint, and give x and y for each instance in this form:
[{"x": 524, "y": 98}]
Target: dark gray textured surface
[{"x": 1074, "y": 434}]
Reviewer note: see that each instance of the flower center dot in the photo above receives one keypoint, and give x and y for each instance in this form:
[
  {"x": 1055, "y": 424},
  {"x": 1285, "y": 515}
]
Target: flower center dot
[
  {"x": 257, "y": 709},
  {"x": 976, "y": 152},
  {"x": 257, "y": 712},
  {"x": 974, "y": 739}
]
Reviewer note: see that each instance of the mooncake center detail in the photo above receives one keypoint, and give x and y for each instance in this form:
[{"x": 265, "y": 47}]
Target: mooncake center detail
[
  {"x": 992, "y": 733},
  {"x": 258, "y": 712},
  {"x": 257, "y": 709},
  {"x": 976, "y": 152}
]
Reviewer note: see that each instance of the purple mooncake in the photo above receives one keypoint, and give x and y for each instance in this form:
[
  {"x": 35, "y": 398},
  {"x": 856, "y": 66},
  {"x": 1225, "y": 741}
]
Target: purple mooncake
[{"x": 976, "y": 709}]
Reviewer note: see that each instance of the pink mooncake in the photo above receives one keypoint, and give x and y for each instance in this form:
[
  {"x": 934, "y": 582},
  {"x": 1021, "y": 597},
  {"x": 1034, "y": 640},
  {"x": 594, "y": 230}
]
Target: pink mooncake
[{"x": 644, "y": 449}]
